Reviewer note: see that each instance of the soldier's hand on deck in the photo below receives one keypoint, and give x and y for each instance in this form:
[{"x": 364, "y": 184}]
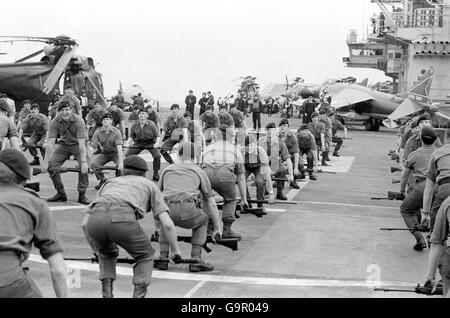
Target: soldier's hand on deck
[
  {"x": 425, "y": 223},
  {"x": 216, "y": 235}
]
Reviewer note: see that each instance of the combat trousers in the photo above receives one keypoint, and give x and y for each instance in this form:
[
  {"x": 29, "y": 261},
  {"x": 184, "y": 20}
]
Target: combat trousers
[
  {"x": 100, "y": 160},
  {"x": 339, "y": 141},
  {"x": 59, "y": 156},
  {"x": 223, "y": 181},
  {"x": 280, "y": 174},
  {"x": 443, "y": 192},
  {"x": 37, "y": 140},
  {"x": 191, "y": 110},
  {"x": 260, "y": 183},
  {"x": 114, "y": 224},
  {"x": 256, "y": 116},
  {"x": 309, "y": 159},
  {"x": 410, "y": 209},
  {"x": 167, "y": 146},
  {"x": 153, "y": 151},
  {"x": 14, "y": 280},
  {"x": 187, "y": 214}
]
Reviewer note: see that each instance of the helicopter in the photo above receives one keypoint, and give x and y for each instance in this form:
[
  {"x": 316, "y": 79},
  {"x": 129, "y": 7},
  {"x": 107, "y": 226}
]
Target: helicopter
[{"x": 38, "y": 81}]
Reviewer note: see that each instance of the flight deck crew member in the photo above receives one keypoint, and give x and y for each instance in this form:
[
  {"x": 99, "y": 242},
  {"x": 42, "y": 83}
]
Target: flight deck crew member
[
  {"x": 38, "y": 124},
  {"x": 195, "y": 135},
  {"x": 108, "y": 142},
  {"x": 7, "y": 127},
  {"x": 335, "y": 125},
  {"x": 438, "y": 171},
  {"x": 94, "y": 118},
  {"x": 202, "y": 102},
  {"x": 174, "y": 130},
  {"x": 153, "y": 116},
  {"x": 25, "y": 221},
  {"x": 279, "y": 158},
  {"x": 307, "y": 148},
  {"x": 210, "y": 124},
  {"x": 188, "y": 194},
  {"x": 223, "y": 163},
  {"x": 72, "y": 143},
  {"x": 440, "y": 250},
  {"x": 190, "y": 102},
  {"x": 256, "y": 108},
  {"x": 318, "y": 131},
  {"x": 210, "y": 101},
  {"x": 328, "y": 133},
  {"x": 417, "y": 164},
  {"x": 139, "y": 100},
  {"x": 144, "y": 136},
  {"x": 239, "y": 124},
  {"x": 112, "y": 220},
  {"x": 256, "y": 162},
  {"x": 291, "y": 142},
  {"x": 308, "y": 108},
  {"x": 241, "y": 105}
]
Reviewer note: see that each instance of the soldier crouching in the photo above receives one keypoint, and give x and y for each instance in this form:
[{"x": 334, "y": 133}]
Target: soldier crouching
[{"x": 183, "y": 186}]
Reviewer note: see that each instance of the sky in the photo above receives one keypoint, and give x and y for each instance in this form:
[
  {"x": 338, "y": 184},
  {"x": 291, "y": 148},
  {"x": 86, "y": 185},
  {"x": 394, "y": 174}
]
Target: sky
[{"x": 171, "y": 46}]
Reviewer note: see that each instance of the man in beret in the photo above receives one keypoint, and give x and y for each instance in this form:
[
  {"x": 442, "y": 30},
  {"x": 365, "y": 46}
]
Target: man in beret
[
  {"x": 417, "y": 164},
  {"x": 118, "y": 117},
  {"x": 26, "y": 221},
  {"x": 174, "y": 130},
  {"x": 24, "y": 112},
  {"x": 7, "y": 127},
  {"x": 224, "y": 165},
  {"x": 414, "y": 142},
  {"x": 291, "y": 142},
  {"x": 188, "y": 194},
  {"x": 327, "y": 134},
  {"x": 144, "y": 135},
  {"x": 335, "y": 125},
  {"x": 279, "y": 157},
  {"x": 307, "y": 148},
  {"x": 195, "y": 134},
  {"x": 224, "y": 117},
  {"x": 112, "y": 221},
  {"x": 37, "y": 124},
  {"x": 107, "y": 140},
  {"x": 210, "y": 123},
  {"x": 72, "y": 130},
  {"x": 239, "y": 124},
  {"x": 318, "y": 131}
]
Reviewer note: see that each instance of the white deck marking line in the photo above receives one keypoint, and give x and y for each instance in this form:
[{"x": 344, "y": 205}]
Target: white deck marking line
[
  {"x": 293, "y": 192},
  {"x": 351, "y": 205},
  {"x": 69, "y": 207},
  {"x": 276, "y": 210},
  {"x": 194, "y": 289},
  {"x": 246, "y": 280}
]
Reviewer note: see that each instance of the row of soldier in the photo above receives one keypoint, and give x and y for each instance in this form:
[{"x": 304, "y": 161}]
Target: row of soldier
[{"x": 425, "y": 190}]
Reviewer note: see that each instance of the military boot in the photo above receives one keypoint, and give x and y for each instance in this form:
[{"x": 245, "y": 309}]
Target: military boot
[
  {"x": 140, "y": 290},
  {"x": 312, "y": 176},
  {"x": 324, "y": 163},
  {"x": 107, "y": 288},
  {"x": 280, "y": 194},
  {"x": 100, "y": 184},
  {"x": 228, "y": 232},
  {"x": 82, "y": 199},
  {"x": 201, "y": 266},
  {"x": 35, "y": 162},
  {"x": 336, "y": 154}
]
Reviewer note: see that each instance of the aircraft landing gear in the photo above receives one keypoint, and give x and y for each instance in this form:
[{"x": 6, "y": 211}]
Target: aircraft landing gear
[{"x": 372, "y": 125}]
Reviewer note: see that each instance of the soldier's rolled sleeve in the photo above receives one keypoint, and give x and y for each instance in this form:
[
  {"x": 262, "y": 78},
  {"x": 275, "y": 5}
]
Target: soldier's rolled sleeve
[
  {"x": 45, "y": 124},
  {"x": 25, "y": 123},
  {"x": 205, "y": 185},
  {"x": 239, "y": 167},
  {"x": 432, "y": 171},
  {"x": 53, "y": 129},
  {"x": 45, "y": 235},
  {"x": 441, "y": 227},
  {"x": 410, "y": 162},
  {"x": 95, "y": 142},
  {"x": 313, "y": 142},
  {"x": 284, "y": 153},
  {"x": 157, "y": 203},
  {"x": 118, "y": 138},
  {"x": 12, "y": 131},
  {"x": 294, "y": 144},
  {"x": 184, "y": 123}
]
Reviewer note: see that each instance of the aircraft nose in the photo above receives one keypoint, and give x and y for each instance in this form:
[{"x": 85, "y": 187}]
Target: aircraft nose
[{"x": 306, "y": 92}]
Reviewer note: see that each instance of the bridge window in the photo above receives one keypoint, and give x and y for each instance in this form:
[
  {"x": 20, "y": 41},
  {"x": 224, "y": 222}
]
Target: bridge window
[{"x": 367, "y": 52}]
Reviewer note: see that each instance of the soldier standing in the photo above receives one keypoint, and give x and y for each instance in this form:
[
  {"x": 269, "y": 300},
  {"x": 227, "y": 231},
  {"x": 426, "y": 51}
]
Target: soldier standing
[
  {"x": 38, "y": 124},
  {"x": 190, "y": 102}
]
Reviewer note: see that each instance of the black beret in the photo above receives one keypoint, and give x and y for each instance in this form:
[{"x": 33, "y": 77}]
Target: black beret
[
  {"x": 209, "y": 107},
  {"x": 107, "y": 115},
  {"x": 135, "y": 163},
  {"x": 304, "y": 126},
  {"x": 332, "y": 114},
  {"x": 428, "y": 133},
  {"x": 26, "y": 101},
  {"x": 284, "y": 121},
  {"x": 187, "y": 114},
  {"x": 62, "y": 105},
  {"x": 314, "y": 115},
  {"x": 174, "y": 106},
  {"x": 271, "y": 126},
  {"x": 322, "y": 112},
  {"x": 422, "y": 118},
  {"x": 68, "y": 86},
  {"x": 16, "y": 161},
  {"x": 4, "y": 105},
  {"x": 35, "y": 105}
]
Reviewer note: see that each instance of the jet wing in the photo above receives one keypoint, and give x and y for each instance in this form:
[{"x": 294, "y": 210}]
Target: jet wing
[
  {"x": 406, "y": 108},
  {"x": 348, "y": 97}
]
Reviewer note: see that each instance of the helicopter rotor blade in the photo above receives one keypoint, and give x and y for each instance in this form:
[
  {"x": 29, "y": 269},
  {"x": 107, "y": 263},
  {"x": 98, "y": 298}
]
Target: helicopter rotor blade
[{"x": 59, "y": 69}]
